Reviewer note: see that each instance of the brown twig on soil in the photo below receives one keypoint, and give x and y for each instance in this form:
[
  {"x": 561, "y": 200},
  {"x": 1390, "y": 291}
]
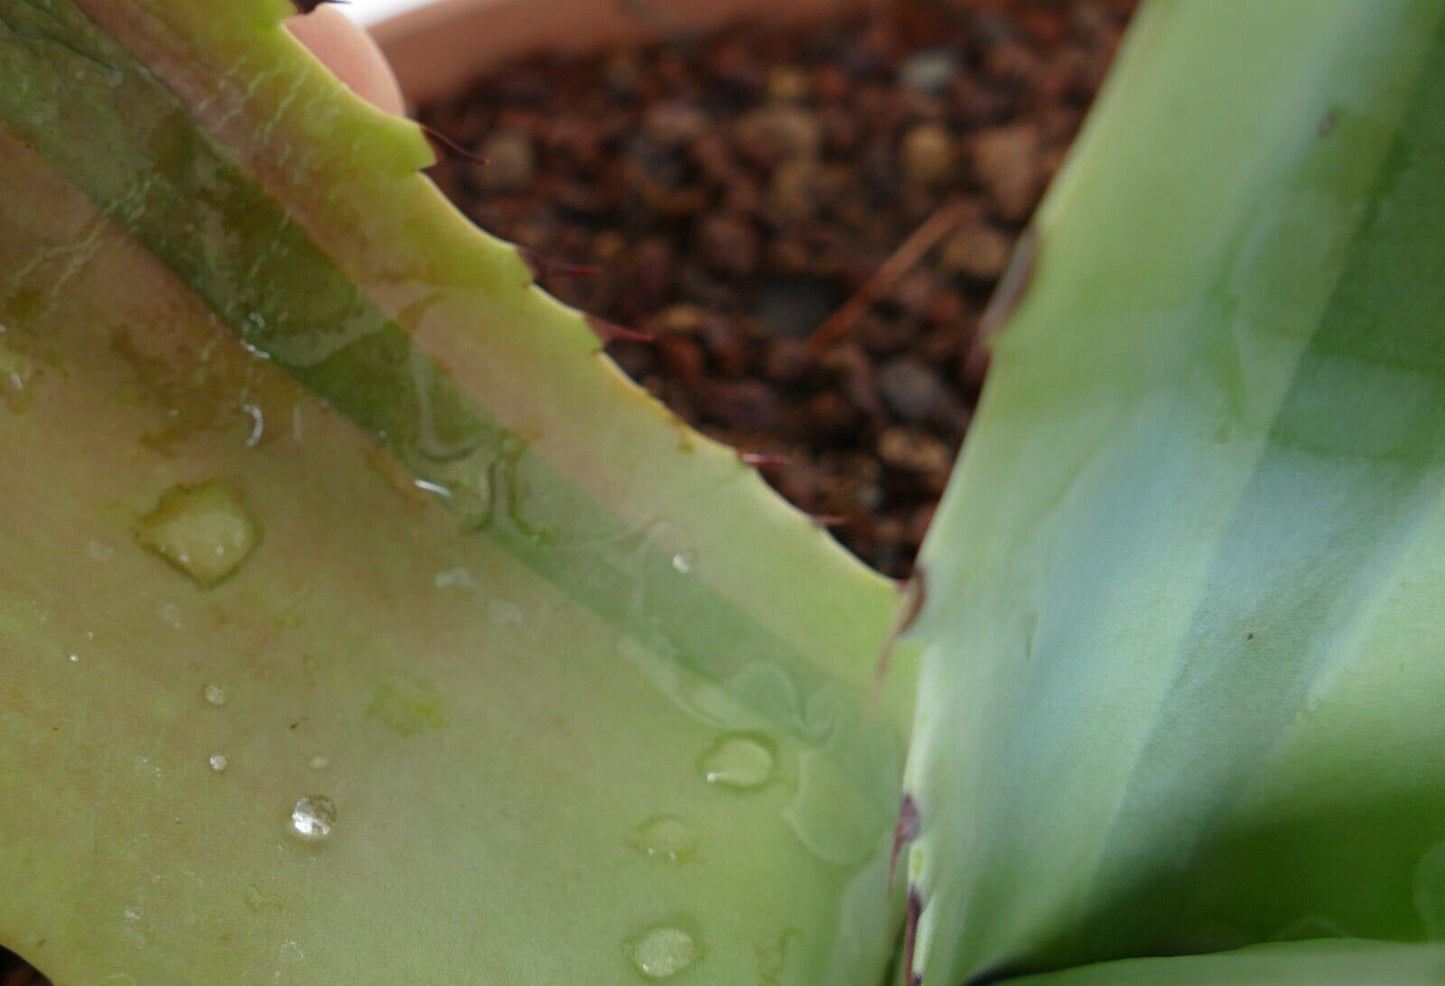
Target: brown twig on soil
[{"x": 943, "y": 220}]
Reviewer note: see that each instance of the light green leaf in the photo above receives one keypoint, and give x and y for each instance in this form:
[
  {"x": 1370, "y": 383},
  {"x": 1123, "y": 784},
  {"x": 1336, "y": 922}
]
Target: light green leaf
[
  {"x": 1307, "y": 963},
  {"x": 1184, "y": 651},
  {"x": 482, "y": 613}
]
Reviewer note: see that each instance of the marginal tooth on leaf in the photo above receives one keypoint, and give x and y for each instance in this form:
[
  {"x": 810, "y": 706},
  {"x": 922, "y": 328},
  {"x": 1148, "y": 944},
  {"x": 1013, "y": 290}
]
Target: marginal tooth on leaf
[
  {"x": 910, "y": 932},
  {"x": 915, "y": 594},
  {"x": 443, "y": 145},
  {"x": 540, "y": 265},
  {"x": 904, "y": 832},
  {"x": 1012, "y": 287},
  {"x": 610, "y": 332},
  {"x": 765, "y": 458}
]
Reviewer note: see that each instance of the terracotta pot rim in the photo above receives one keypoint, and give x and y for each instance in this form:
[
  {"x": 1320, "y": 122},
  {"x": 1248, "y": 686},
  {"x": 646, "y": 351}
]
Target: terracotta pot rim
[{"x": 436, "y": 49}]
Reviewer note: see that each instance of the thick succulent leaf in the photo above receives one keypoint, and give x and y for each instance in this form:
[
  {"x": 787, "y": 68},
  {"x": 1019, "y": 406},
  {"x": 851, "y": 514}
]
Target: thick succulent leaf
[
  {"x": 589, "y": 702},
  {"x": 1184, "y": 649},
  {"x": 1342, "y": 962}
]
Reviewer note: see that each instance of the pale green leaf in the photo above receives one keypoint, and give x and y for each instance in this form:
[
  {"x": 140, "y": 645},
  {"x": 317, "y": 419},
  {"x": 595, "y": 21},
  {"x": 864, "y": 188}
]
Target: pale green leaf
[
  {"x": 478, "y": 608},
  {"x": 1184, "y": 649}
]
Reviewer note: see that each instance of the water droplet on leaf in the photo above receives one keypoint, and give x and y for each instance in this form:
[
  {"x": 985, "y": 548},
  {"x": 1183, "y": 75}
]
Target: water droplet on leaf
[
  {"x": 682, "y": 563},
  {"x": 738, "y": 761},
  {"x": 504, "y": 613},
  {"x": 662, "y": 952},
  {"x": 215, "y": 695},
  {"x": 664, "y": 837},
  {"x": 258, "y": 424},
  {"x": 455, "y": 578},
  {"x": 171, "y": 615},
  {"x": 15, "y": 374},
  {"x": 319, "y": 763},
  {"x": 313, "y": 817},
  {"x": 205, "y": 531},
  {"x": 219, "y": 762}
]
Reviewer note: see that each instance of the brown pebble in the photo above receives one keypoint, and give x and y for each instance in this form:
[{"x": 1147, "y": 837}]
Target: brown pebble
[
  {"x": 918, "y": 395},
  {"x": 683, "y": 360},
  {"x": 885, "y": 336},
  {"x": 674, "y": 202},
  {"x": 977, "y": 250},
  {"x": 729, "y": 353},
  {"x": 788, "y": 256},
  {"x": 855, "y": 372},
  {"x": 680, "y": 319},
  {"x": 919, "y": 522},
  {"x": 915, "y": 293},
  {"x": 790, "y": 192},
  {"x": 831, "y": 417},
  {"x": 636, "y": 359},
  {"x": 1006, "y": 161},
  {"x": 913, "y": 450},
  {"x": 949, "y": 311},
  {"x": 747, "y": 405},
  {"x": 713, "y": 157},
  {"x": 728, "y": 243},
  {"x": 789, "y": 361},
  {"x": 674, "y": 123},
  {"x": 511, "y": 161},
  {"x": 800, "y": 481},
  {"x": 622, "y": 73},
  {"x": 649, "y": 283},
  {"x": 839, "y": 130},
  {"x": 788, "y": 84},
  {"x": 830, "y": 84},
  {"x": 775, "y": 133},
  {"x": 608, "y": 246}
]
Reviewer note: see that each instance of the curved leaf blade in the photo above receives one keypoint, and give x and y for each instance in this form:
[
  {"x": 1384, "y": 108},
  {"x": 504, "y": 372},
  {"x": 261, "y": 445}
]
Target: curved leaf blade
[
  {"x": 1180, "y": 651},
  {"x": 514, "y": 697},
  {"x": 1349, "y": 962}
]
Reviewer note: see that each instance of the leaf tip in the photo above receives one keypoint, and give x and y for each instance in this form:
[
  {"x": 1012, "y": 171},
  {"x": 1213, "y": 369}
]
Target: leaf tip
[{"x": 904, "y": 832}]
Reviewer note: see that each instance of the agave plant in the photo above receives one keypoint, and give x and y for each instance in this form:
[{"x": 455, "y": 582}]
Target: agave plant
[{"x": 361, "y": 623}]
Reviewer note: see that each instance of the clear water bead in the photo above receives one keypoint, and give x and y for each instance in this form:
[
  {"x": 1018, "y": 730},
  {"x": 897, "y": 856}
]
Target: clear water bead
[
  {"x": 313, "y": 817},
  {"x": 738, "y": 761},
  {"x": 215, "y": 695},
  {"x": 219, "y": 762},
  {"x": 171, "y": 615},
  {"x": 664, "y": 837},
  {"x": 663, "y": 952}
]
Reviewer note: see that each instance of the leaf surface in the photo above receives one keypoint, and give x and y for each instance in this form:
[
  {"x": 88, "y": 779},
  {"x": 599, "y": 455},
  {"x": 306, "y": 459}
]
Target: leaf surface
[
  {"x": 1183, "y": 638},
  {"x": 589, "y": 702}
]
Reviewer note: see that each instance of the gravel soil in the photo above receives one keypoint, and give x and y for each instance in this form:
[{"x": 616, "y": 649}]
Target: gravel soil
[{"x": 809, "y": 225}]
